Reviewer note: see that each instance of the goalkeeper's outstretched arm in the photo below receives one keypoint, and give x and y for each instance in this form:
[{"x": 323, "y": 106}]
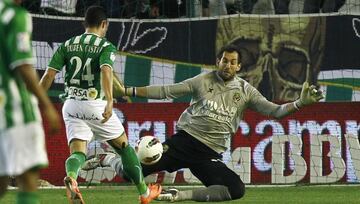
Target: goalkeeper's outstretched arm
[
  {"x": 155, "y": 92},
  {"x": 309, "y": 95}
]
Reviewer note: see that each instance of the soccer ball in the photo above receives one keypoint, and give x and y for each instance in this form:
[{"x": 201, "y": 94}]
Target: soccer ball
[{"x": 149, "y": 150}]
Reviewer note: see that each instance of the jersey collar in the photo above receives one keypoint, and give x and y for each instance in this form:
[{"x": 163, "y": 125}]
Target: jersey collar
[
  {"x": 235, "y": 82},
  {"x": 92, "y": 34}
]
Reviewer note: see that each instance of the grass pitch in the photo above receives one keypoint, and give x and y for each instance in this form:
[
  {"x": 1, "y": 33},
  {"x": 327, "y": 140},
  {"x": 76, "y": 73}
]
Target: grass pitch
[{"x": 276, "y": 195}]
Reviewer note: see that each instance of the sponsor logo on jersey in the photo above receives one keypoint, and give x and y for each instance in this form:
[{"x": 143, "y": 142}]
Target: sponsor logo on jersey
[
  {"x": 23, "y": 42},
  {"x": 81, "y": 94},
  {"x": 92, "y": 93}
]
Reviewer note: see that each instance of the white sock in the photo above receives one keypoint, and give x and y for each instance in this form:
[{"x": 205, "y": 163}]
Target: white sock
[
  {"x": 185, "y": 195},
  {"x": 107, "y": 159},
  {"x": 116, "y": 163}
]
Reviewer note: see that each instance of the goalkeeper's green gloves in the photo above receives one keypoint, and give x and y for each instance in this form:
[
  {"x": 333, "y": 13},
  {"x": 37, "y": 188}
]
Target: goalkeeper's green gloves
[{"x": 309, "y": 95}]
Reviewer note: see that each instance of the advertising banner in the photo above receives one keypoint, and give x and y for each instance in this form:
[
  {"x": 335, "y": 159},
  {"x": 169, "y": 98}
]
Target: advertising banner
[{"x": 318, "y": 144}]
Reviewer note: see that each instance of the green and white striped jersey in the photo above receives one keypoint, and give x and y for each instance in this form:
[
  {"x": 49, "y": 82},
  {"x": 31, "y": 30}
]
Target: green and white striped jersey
[
  {"x": 17, "y": 105},
  {"x": 83, "y": 56}
]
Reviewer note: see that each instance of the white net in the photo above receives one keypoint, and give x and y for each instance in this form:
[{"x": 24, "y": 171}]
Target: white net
[{"x": 319, "y": 144}]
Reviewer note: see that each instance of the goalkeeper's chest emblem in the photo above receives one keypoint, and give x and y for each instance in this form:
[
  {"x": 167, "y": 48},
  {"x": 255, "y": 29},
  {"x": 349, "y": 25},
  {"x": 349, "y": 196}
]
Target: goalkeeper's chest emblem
[{"x": 237, "y": 97}]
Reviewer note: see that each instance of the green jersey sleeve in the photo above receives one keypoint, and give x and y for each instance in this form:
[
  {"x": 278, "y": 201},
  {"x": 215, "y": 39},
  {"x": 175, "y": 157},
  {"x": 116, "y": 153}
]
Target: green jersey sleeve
[
  {"x": 20, "y": 29},
  {"x": 57, "y": 62},
  {"x": 108, "y": 56}
]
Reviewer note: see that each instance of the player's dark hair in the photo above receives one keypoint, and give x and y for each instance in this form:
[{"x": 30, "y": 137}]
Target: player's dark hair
[
  {"x": 94, "y": 15},
  {"x": 228, "y": 48}
]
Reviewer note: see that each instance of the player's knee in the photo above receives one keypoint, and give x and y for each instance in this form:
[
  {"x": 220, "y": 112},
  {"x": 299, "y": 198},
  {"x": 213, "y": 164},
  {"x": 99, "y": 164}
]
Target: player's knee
[
  {"x": 120, "y": 142},
  {"x": 237, "y": 189}
]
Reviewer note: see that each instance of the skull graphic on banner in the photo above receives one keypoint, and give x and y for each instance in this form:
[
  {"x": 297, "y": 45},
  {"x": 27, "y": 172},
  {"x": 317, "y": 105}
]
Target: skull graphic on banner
[{"x": 278, "y": 53}]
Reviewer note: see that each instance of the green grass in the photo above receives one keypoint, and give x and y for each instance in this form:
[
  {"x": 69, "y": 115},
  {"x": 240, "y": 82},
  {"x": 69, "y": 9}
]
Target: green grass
[{"x": 276, "y": 195}]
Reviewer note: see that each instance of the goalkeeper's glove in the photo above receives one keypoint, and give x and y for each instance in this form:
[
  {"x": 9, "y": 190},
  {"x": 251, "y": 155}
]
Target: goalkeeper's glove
[{"x": 309, "y": 95}]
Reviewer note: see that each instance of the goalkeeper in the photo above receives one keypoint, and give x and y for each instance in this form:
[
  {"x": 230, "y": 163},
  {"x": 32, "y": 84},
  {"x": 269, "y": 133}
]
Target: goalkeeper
[{"x": 219, "y": 99}]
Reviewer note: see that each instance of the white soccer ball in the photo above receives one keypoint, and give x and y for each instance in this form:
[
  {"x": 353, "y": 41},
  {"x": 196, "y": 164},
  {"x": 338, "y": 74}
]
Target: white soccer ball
[{"x": 149, "y": 150}]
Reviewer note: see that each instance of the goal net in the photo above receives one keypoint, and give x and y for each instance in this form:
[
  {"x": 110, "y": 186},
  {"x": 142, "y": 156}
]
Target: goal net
[{"x": 319, "y": 144}]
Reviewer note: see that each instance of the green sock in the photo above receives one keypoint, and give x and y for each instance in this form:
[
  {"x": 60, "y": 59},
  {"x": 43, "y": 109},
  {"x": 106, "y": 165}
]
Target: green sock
[
  {"x": 74, "y": 163},
  {"x": 132, "y": 168},
  {"x": 27, "y": 198}
]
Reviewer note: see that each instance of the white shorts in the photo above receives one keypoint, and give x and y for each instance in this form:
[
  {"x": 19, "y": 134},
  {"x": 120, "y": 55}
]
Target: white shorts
[
  {"x": 83, "y": 121},
  {"x": 22, "y": 148}
]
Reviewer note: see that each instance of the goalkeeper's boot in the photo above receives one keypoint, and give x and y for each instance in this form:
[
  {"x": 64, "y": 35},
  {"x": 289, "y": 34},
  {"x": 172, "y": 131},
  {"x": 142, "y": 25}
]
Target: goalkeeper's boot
[
  {"x": 97, "y": 161},
  {"x": 72, "y": 191},
  {"x": 155, "y": 190},
  {"x": 171, "y": 195}
]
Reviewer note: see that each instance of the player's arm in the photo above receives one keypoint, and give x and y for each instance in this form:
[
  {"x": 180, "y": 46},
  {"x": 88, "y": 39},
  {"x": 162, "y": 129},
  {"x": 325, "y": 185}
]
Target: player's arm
[
  {"x": 47, "y": 79},
  {"x": 159, "y": 92},
  {"x": 308, "y": 96},
  {"x": 31, "y": 79},
  {"x": 107, "y": 87},
  {"x": 56, "y": 63},
  {"x": 29, "y": 76},
  {"x": 106, "y": 60},
  {"x": 118, "y": 87},
  {"x": 171, "y": 91}
]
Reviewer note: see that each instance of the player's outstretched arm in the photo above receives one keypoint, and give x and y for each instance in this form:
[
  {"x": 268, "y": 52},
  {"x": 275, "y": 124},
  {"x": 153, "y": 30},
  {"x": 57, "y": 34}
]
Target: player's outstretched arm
[
  {"x": 159, "y": 92},
  {"x": 309, "y": 95}
]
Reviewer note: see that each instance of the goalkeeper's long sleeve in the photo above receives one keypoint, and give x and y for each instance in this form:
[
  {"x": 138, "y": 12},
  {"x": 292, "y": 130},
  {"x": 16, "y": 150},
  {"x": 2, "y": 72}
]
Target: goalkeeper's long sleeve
[{"x": 168, "y": 91}]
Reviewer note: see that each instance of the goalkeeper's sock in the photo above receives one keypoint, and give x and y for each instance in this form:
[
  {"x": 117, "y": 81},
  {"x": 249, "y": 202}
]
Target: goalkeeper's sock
[
  {"x": 184, "y": 195},
  {"x": 209, "y": 194},
  {"x": 27, "y": 198},
  {"x": 108, "y": 159},
  {"x": 74, "y": 163},
  {"x": 132, "y": 168},
  {"x": 116, "y": 163}
]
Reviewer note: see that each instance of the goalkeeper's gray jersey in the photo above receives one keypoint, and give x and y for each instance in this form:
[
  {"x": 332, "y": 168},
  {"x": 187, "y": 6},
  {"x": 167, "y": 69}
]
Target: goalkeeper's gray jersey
[{"x": 216, "y": 107}]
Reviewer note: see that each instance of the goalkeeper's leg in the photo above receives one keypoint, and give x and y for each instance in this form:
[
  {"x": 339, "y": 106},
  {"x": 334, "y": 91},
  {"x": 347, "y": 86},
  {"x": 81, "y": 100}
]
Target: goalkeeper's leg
[
  {"x": 221, "y": 183},
  {"x": 133, "y": 170}
]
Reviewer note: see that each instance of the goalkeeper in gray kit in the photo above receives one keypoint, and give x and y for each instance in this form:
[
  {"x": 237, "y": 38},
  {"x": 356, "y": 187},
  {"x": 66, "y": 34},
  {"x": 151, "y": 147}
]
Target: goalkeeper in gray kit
[{"x": 219, "y": 99}]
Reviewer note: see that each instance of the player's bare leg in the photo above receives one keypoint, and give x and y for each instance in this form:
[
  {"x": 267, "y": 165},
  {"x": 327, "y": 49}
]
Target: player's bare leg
[
  {"x": 73, "y": 165},
  {"x": 133, "y": 170}
]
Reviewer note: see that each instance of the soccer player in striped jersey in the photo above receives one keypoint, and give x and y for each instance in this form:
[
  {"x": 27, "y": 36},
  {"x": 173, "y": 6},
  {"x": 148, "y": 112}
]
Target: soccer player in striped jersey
[
  {"x": 204, "y": 129},
  {"x": 88, "y": 109},
  {"x": 22, "y": 141}
]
